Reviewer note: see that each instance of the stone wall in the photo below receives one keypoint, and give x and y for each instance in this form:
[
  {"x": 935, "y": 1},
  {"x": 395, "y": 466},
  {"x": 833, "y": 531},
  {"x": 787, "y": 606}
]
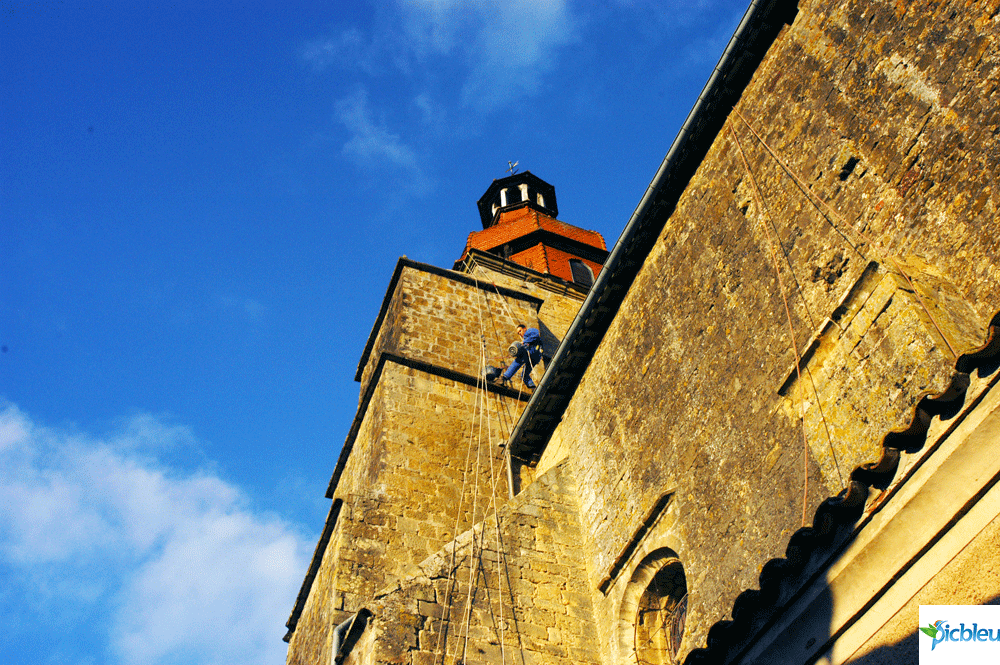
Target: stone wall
[
  {"x": 560, "y": 302},
  {"x": 418, "y": 474},
  {"x": 426, "y": 460},
  {"x": 964, "y": 580},
  {"x": 886, "y": 246},
  {"x": 925, "y": 539},
  {"x": 526, "y": 581},
  {"x": 830, "y": 260},
  {"x": 434, "y": 318}
]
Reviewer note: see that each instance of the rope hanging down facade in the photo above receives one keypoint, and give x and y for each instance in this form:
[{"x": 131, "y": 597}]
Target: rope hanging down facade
[
  {"x": 860, "y": 237},
  {"x": 788, "y": 317},
  {"x": 856, "y": 239},
  {"x": 478, "y": 429},
  {"x": 812, "y": 322}
]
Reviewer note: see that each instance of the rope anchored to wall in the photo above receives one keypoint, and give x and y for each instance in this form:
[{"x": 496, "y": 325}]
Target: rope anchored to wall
[
  {"x": 841, "y": 226},
  {"x": 481, "y": 427},
  {"x": 788, "y": 317}
]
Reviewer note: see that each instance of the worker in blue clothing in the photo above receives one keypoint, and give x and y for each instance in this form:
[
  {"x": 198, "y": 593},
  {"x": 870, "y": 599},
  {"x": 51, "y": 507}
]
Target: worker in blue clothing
[{"x": 529, "y": 354}]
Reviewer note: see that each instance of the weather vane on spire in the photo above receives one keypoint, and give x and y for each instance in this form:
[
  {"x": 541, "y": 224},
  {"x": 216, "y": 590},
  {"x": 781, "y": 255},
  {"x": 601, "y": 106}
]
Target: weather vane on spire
[{"x": 512, "y": 167}]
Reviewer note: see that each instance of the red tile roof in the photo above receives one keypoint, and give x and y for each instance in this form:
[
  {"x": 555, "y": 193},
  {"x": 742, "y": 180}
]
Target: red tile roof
[
  {"x": 514, "y": 224},
  {"x": 558, "y": 264},
  {"x": 533, "y": 257}
]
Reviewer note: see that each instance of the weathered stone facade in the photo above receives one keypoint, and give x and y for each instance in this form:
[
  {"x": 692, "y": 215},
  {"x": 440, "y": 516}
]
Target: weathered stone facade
[
  {"x": 777, "y": 408},
  {"x": 409, "y": 479},
  {"x": 527, "y": 555}
]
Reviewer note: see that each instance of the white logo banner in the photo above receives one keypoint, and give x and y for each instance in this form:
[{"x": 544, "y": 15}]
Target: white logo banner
[{"x": 967, "y": 634}]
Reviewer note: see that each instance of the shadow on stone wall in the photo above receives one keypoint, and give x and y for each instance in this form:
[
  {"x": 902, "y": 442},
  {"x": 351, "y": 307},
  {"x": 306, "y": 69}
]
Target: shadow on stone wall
[
  {"x": 903, "y": 651},
  {"x": 813, "y": 550},
  {"x": 549, "y": 343}
]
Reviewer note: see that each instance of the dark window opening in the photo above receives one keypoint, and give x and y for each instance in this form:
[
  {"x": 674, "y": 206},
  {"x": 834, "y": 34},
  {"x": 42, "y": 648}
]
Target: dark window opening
[
  {"x": 659, "y": 626},
  {"x": 582, "y": 274},
  {"x": 848, "y": 168}
]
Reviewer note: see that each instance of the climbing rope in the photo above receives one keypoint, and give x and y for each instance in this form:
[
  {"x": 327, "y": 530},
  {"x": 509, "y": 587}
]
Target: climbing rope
[
  {"x": 506, "y": 421},
  {"x": 509, "y": 418},
  {"x": 860, "y": 236},
  {"x": 481, "y": 412},
  {"x": 812, "y": 380},
  {"x": 810, "y": 195},
  {"x": 493, "y": 482},
  {"x": 788, "y": 316},
  {"x": 473, "y": 572},
  {"x": 499, "y": 343},
  {"x": 452, "y": 568},
  {"x": 510, "y": 314}
]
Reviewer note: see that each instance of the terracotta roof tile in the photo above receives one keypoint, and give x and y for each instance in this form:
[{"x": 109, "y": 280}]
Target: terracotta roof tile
[
  {"x": 514, "y": 224},
  {"x": 558, "y": 264},
  {"x": 533, "y": 258}
]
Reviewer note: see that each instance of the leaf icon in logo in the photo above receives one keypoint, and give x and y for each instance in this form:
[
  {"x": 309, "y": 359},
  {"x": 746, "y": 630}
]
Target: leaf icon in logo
[{"x": 931, "y": 630}]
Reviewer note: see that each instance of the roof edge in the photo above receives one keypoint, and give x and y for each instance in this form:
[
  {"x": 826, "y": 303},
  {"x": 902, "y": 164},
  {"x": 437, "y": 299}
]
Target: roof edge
[
  {"x": 755, "y": 34},
  {"x": 300, "y": 601},
  {"x": 420, "y": 365},
  {"x": 546, "y": 281},
  {"x": 434, "y": 270}
]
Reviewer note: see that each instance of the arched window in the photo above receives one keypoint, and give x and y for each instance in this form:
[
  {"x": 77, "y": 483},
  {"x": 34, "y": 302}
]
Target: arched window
[
  {"x": 659, "y": 623},
  {"x": 653, "y": 610},
  {"x": 582, "y": 274}
]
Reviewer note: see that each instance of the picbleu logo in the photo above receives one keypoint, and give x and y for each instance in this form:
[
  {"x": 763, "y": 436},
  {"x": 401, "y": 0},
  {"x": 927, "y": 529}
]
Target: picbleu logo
[
  {"x": 966, "y": 634},
  {"x": 941, "y": 631}
]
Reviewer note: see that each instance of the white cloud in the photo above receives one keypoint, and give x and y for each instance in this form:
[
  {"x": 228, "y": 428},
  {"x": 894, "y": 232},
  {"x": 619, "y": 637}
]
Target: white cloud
[
  {"x": 507, "y": 46},
  {"x": 254, "y": 310},
  {"x": 494, "y": 51},
  {"x": 347, "y": 48},
  {"x": 441, "y": 64},
  {"x": 371, "y": 143},
  {"x": 184, "y": 568},
  {"x": 432, "y": 115},
  {"x": 354, "y": 49}
]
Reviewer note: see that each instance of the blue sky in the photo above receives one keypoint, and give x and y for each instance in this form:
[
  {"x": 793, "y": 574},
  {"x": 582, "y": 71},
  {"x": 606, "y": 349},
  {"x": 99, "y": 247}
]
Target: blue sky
[{"x": 200, "y": 210}]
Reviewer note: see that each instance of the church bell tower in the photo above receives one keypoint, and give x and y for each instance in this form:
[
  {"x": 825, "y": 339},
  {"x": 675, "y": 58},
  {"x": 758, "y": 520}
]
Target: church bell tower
[{"x": 518, "y": 214}]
